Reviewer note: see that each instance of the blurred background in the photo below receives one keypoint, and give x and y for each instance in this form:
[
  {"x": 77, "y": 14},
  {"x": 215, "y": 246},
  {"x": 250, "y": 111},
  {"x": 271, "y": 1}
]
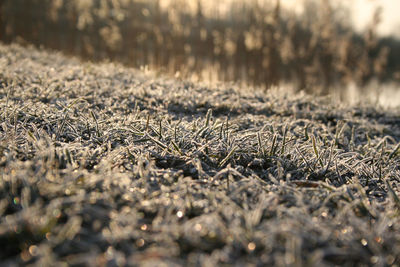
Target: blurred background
[{"x": 313, "y": 45}]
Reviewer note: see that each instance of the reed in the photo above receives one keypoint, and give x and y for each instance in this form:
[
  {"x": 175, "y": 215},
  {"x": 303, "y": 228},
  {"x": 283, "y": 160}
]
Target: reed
[{"x": 256, "y": 42}]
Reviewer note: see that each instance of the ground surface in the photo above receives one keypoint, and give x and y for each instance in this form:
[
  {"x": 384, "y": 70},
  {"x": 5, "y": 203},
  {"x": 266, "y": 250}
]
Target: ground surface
[{"x": 101, "y": 164}]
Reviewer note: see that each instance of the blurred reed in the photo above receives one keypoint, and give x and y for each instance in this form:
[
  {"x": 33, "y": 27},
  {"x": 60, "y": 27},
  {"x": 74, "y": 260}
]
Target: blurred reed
[{"x": 256, "y": 42}]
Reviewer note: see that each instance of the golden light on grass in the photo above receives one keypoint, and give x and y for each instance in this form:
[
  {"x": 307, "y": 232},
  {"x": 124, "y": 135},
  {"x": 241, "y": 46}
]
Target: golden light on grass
[
  {"x": 33, "y": 250},
  {"x": 140, "y": 242},
  {"x": 198, "y": 227},
  {"x": 179, "y": 214},
  {"x": 364, "y": 242},
  {"x": 251, "y": 246},
  {"x": 308, "y": 44}
]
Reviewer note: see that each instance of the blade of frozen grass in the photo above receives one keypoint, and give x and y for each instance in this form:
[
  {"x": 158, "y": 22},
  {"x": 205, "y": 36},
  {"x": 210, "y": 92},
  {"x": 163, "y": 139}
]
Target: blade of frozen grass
[
  {"x": 175, "y": 131},
  {"x": 32, "y": 136},
  {"x": 227, "y": 127},
  {"x": 393, "y": 194},
  {"x": 61, "y": 127},
  {"x": 73, "y": 103},
  {"x": 176, "y": 148},
  {"x": 160, "y": 129},
  {"x": 133, "y": 131},
  {"x": 8, "y": 96},
  {"x": 273, "y": 147},
  {"x": 314, "y": 144},
  {"x": 226, "y": 159},
  {"x": 369, "y": 139},
  {"x": 352, "y": 138},
  {"x": 306, "y": 136},
  {"x": 157, "y": 142},
  {"x": 260, "y": 145},
  {"x": 394, "y": 152},
  {"x": 221, "y": 130},
  {"x": 339, "y": 132},
  {"x": 330, "y": 158},
  {"x": 69, "y": 157},
  {"x": 208, "y": 117},
  {"x": 95, "y": 120},
  {"x": 381, "y": 144},
  {"x": 136, "y": 110},
  {"x": 304, "y": 159},
  {"x": 130, "y": 155},
  {"x": 147, "y": 123},
  {"x": 284, "y": 140},
  {"x": 338, "y": 173},
  {"x": 228, "y": 178},
  {"x": 201, "y": 131}
]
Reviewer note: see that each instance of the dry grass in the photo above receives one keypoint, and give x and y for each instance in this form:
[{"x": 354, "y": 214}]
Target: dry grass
[
  {"x": 257, "y": 42},
  {"x": 100, "y": 164}
]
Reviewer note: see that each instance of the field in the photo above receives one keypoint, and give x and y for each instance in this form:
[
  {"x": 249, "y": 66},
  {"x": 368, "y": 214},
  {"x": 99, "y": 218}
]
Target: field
[
  {"x": 256, "y": 42},
  {"x": 101, "y": 164}
]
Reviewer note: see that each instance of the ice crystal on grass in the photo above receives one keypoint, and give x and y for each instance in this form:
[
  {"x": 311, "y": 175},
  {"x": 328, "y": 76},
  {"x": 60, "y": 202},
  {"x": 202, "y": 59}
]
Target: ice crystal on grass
[{"x": 104, "y": 164}]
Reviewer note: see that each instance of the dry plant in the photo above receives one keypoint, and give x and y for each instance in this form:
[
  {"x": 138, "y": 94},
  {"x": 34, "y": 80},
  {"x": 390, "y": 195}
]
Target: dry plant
[{"x": 253, "y": 41}]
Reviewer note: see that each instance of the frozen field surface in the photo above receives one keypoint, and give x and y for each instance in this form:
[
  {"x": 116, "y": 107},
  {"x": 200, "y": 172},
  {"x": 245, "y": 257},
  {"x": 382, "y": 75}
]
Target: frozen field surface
[{"x": 106, "y": 165}]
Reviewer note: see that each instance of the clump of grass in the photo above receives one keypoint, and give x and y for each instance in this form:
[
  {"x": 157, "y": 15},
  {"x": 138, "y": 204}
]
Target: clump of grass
[{"x": 100, "y": 163}]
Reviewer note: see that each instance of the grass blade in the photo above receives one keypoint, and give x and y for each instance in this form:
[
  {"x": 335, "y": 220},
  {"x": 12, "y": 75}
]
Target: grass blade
[{"x": 226, "y": 159}]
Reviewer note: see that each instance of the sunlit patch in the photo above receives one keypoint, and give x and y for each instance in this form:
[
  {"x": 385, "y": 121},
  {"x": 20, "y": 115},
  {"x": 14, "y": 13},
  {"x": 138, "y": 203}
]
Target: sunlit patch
[
  {"x": 347, "y": 230},
  {"x": 374, "y": 259},
  {"x": 166, "y": 202},
  {"x": 390, "y": 259},
  {"x": 140, "y": 242},
  {"x": 179, "y": 214},
  {"x": 25, "y": 256},
  {"x": 364, "y": 242},
  {"x": 198, "y": 227},
  {"x": 33, "y": 250},
  {"x": 109, "y": 253},
  {"x": 251, "y": 246},
  {"x": 48, "y": 235},
  {"x": 145, "y": 203},
  {"x": 212, "y": 235}
]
